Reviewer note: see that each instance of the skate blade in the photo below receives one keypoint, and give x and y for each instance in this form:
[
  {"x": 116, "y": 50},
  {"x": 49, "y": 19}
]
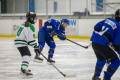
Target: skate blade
[
  {"x": 25, "y": 77},
  {"x": 39, "y": 61},
  {"x": 21, "y": 73},
  {"x": 50, "y": 63}
]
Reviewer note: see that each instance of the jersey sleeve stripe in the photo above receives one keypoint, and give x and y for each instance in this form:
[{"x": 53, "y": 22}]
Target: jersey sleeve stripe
[
  {"x": 31, "y": 41},
  {"x": 20, "y": 43},
  {"x": 20, "y": 40},
  {"x": 108, "y": 36},
  {"x": 33, "y": 44}
]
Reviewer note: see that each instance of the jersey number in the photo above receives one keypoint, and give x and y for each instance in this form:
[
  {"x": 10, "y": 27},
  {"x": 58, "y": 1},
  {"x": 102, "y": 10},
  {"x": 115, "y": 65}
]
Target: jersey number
[
  {"x": 103, "y": 31},
  {"x": 19, "y": 31}
]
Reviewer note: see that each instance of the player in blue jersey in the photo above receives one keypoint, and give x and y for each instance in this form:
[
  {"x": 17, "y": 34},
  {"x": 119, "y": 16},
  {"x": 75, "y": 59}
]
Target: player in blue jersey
[
  {"x": 106, "y": 32},
  {"x": 46, "y": 33}
]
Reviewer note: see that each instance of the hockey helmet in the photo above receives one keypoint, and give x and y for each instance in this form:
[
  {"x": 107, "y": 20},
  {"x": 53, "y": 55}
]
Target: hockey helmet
[
  {"x": 30, "y": 16},
  {"x": 65, "y": 20},
  {"x": 117, "y": 15}
]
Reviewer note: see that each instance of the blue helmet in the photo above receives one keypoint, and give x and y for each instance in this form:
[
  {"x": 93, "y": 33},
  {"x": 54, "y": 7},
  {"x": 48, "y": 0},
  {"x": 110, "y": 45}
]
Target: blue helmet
[{"x": 65, "y": 20}]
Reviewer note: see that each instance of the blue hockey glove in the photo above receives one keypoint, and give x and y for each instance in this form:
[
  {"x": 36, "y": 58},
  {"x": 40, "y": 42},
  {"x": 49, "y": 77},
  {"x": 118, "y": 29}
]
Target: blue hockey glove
[{"x": 61, "y": 36}]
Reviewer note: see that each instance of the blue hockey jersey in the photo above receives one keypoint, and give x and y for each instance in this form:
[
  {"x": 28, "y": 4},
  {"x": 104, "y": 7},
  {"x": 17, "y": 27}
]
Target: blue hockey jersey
[
  {"x": 106, "y": 32},
  {"x": 52, "y": 27}
]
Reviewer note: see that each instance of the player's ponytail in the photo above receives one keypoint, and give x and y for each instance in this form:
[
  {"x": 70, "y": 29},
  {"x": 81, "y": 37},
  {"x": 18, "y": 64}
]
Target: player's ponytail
[{"x": 26, "y": 24}]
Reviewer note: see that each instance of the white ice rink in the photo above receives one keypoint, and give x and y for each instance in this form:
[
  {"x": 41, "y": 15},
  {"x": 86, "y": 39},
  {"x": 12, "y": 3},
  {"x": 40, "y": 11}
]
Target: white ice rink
[{"x": 70, "y": 59}]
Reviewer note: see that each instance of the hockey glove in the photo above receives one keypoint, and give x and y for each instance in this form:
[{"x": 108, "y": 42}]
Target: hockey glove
[
  {"x": 37, "y": 49},
  {"x": 61, "y": 36}
]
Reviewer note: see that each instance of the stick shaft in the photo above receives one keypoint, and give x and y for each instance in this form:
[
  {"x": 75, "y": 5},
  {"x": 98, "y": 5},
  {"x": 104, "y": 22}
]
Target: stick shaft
[
  {"x": 77, "y": 43},
  {"x": 54, "y": 66}
]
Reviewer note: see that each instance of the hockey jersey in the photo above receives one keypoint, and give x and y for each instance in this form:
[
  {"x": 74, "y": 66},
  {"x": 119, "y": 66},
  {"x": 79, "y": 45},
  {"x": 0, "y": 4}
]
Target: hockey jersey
[
  {"x": 106, "y": 32},
  {"x": 52, "y": 27},
  {"x": 25, "y": 36}
]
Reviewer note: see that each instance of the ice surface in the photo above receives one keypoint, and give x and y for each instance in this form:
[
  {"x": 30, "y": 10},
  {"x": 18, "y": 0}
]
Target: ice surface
[{"x": 70, "y": 59}]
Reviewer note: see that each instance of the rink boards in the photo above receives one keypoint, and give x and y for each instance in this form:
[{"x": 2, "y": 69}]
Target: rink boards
[{"x": 78, "y": 28}]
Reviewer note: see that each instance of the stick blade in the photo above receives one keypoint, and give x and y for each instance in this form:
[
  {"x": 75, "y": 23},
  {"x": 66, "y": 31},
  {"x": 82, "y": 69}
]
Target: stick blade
[
  {"x": 72, "y": 75},
  {"x": 86, "y": 47},
  {"x": 90, "y": 44}
]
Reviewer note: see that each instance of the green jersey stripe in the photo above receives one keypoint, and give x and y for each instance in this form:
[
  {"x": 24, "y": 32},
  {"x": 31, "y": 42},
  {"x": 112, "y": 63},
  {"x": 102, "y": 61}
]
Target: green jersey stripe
[
  {"x": 33, "y": 44},
  {"x": 20, "y": 43}
]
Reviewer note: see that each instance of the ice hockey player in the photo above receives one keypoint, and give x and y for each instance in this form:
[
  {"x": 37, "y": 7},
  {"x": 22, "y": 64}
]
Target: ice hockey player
[
  {"x": 26, "y": 36},
  {"x": 106, "y": 32},
  {"x": 51, "y": 27}
]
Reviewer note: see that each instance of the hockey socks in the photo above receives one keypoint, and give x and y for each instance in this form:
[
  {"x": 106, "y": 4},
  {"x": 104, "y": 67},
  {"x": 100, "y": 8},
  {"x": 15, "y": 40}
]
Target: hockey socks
[
  {"x": 25, "y": 62},
  {"x": 112, "y": 68},
  {"x": 99, "y": 67}
]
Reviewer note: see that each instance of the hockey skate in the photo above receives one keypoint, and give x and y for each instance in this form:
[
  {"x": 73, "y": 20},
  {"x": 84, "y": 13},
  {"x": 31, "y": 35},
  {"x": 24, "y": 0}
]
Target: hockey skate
[
  {"x": 50, "y": 60},
  {"x": 95, "y": 77},
  {"x": 38, "y": 59},
  {"x": 105, "y": 77},
  {"x": 26, "y": 73}
]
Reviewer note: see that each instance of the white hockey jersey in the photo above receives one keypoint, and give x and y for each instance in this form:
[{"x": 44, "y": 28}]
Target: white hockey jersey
[{"x": 25, "y": 36}]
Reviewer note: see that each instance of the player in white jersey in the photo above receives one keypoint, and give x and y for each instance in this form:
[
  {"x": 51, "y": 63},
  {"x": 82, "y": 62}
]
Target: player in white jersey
[{"x": 26, "y": 36}]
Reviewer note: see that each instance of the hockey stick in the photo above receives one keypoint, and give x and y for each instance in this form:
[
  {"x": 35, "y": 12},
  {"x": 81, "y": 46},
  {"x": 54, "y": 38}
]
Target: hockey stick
[
  {"x": 73, "y": 75},
  {"x": 79, "y": 44}
]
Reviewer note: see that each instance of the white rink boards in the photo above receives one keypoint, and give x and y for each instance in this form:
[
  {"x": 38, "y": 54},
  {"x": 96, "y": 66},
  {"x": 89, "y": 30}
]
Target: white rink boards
[{"x": 70, "y": 59}]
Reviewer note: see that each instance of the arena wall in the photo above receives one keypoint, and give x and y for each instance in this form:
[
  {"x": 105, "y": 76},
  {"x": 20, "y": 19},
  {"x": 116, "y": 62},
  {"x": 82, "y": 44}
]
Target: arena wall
[{"x": 78, "y": 28}]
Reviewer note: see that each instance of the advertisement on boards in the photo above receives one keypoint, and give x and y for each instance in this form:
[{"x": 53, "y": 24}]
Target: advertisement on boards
[
  {"x": 73, "y": 28},
  {"x": 15, "y": 24}
]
